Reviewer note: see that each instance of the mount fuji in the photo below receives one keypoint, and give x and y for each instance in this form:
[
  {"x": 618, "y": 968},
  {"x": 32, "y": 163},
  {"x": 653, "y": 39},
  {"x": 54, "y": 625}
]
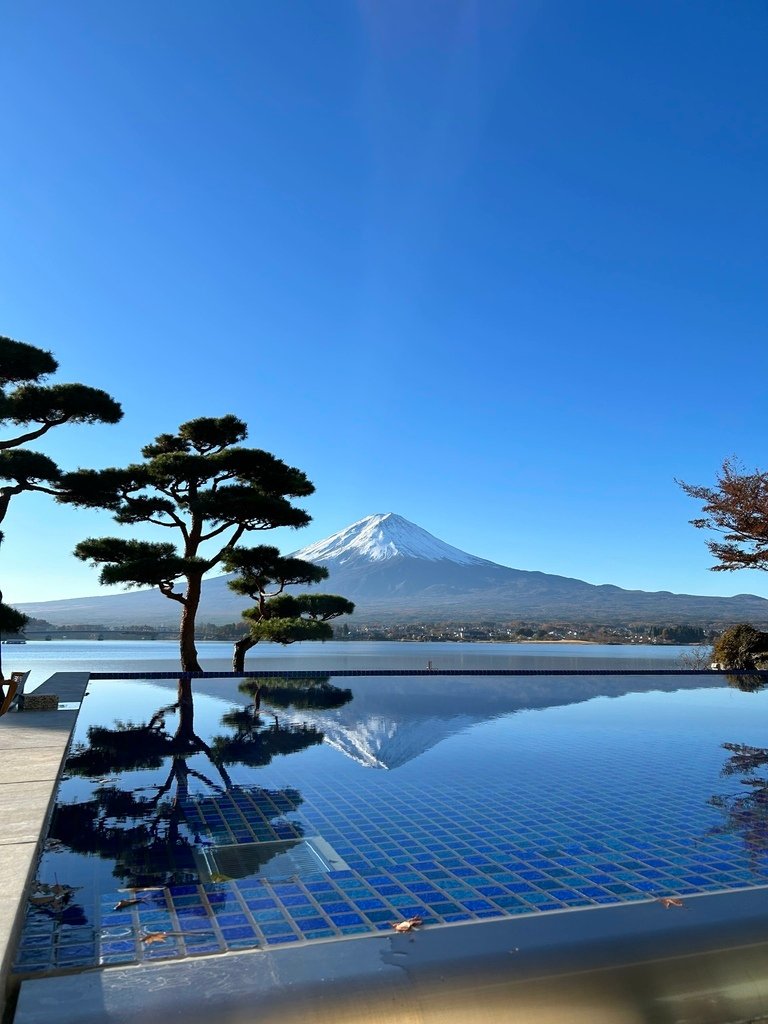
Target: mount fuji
[{"x": 395, "y": 571}]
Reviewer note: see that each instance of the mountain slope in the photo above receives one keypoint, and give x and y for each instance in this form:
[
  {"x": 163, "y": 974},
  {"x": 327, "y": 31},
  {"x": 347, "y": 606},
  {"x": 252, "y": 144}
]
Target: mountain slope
[{"x": 397, "y": 572}]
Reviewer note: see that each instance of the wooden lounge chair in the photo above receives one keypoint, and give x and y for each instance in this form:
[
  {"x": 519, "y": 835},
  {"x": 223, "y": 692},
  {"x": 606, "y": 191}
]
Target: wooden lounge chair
[{"x": 12, "y": 690}]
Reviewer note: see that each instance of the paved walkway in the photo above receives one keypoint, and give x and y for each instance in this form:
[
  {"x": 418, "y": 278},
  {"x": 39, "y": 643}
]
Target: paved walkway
[{"x": 32, "y": 749}]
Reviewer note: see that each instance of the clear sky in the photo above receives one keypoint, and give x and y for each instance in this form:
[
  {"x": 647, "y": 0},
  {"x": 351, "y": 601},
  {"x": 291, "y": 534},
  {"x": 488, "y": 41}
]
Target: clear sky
[{"x": 496, "y": 265}]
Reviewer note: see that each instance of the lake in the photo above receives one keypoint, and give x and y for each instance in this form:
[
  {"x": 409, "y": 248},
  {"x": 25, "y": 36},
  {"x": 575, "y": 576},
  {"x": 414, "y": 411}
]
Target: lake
[{"x": 42, "y": 658}]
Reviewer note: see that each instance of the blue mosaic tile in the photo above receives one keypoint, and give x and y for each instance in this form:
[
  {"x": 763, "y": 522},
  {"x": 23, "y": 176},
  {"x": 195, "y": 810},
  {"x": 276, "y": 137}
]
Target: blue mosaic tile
[
  {"x": 310, "y": 924},
  {"x": 283, "y": 890},
  {"x": 343, "y": 920},
  {"x": 182, "y": 890},
  {"x": 511, "y": 851},
  {"x": 260, "y": 904},
  {"x": 273, "y": 928},
  {"x": 230, "y": 920},
  {"x": 240, "y": 932},
  {"x": 476, "y": 906},
  {"x": 202, "y": 948},
  {"x": 72, "y": 956},
  {"x": 268, "y": 915},
  {"x": 300, "y": 912},
  {"x": 123, "y": 946},
  {"x": 369, "y": 904},
  {"x": 191, "y": 913},
  {"x": 32, "y": 957}
]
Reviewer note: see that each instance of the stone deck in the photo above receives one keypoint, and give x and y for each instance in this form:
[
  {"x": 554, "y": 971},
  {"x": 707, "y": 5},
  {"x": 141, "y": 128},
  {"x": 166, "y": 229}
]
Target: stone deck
[{"x": 32, "y": 749}]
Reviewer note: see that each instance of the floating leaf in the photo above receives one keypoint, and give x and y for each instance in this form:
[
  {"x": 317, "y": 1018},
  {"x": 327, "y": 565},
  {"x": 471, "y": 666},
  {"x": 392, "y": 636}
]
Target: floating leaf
[
  {"x": 408, "y": 925},
  {"x": 43, "y": 900}
]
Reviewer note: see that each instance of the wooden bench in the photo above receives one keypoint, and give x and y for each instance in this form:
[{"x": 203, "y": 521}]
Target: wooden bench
[{"x": 12, "y": 690}]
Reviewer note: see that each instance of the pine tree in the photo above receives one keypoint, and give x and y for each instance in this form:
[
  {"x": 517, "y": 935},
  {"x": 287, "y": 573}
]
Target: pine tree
[
  {"x": 263, "y": 574},
  {"x": 37, "y": 408},
  {"x": 200, "y": 483},
  {"x": 33, "y": 408}
]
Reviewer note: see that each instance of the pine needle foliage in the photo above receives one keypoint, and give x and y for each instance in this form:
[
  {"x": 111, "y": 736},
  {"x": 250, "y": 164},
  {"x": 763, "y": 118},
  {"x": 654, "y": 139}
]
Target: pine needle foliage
[
  {"x": 201, "y": 483},
  {"x": 263, "y": 574},
  {"x": 28, "y": 410},
  {"x": 37, "y": 408}
]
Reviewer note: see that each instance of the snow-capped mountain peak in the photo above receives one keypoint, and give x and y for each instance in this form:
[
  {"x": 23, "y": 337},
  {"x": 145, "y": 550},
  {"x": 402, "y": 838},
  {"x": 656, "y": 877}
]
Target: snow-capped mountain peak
[{"x": 382, "y": 537}]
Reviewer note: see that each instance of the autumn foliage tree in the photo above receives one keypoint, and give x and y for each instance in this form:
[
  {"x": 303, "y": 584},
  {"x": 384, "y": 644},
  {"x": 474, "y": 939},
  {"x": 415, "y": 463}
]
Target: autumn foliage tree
[
  {"x": 202, "y": 485},
  {"x": 262, "y": 574},
  {"x": 736, "y": 508}
]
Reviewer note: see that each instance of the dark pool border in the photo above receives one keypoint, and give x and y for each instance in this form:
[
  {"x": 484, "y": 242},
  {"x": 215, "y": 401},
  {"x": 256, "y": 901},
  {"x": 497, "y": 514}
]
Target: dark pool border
[{"x": 313, "y": 673}]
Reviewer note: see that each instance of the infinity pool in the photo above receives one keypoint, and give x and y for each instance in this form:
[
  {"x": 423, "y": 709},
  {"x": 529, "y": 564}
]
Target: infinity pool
[{"x": 252, "y": 815}]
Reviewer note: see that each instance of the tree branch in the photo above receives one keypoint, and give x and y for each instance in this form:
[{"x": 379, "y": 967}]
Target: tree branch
[
  {"x": 166, "y": 589},
  {"x": 14, "y": 442}
]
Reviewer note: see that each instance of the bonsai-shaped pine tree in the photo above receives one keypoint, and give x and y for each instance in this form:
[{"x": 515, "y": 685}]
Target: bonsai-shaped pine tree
[
  {"x": 35, "y": 409},
  {"x": 263, "y": 574},
  {"x": 199, "y": 483},
  {"x": 30, "y": 409}
]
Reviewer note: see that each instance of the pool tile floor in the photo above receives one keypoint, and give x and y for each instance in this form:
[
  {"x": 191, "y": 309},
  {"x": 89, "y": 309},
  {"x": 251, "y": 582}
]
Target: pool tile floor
[{"x": 486, "y": 849}]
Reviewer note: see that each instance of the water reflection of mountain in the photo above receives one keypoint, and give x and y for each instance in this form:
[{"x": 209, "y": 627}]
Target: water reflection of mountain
[{"x": 392, "y": 720}]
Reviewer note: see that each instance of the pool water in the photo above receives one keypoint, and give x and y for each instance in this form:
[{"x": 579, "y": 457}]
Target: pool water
[{"x": 252, "y": 818}]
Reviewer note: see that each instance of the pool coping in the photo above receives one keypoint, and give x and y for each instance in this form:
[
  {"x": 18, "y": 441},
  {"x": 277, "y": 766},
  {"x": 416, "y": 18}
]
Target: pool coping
[{"x": 34, "y": 746}]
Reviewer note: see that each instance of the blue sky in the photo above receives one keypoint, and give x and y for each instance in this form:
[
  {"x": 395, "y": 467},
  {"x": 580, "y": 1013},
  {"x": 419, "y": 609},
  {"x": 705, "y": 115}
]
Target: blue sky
[{"x": 496, "y": 266}]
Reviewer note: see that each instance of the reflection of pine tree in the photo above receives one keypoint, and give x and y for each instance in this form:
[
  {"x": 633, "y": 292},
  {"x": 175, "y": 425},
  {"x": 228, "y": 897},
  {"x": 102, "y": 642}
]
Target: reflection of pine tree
[
  {"x": 304, "y": 694},
  {"x": 147, "y": 835},
  {"x": 747, "y": 812},
  {"x": 253, "y": 742}
]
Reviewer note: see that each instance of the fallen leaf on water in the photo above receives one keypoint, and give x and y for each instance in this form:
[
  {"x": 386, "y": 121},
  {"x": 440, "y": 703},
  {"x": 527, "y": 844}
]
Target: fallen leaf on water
[
  {"x": 42, "y": 901},
  {"x": 53, "y": 898},
  {"x": 408, "y": 925},
  {"x": 149, "y": 937},
  {"x": 670, "y": 901},
  {"x": 121, "y": 904}
]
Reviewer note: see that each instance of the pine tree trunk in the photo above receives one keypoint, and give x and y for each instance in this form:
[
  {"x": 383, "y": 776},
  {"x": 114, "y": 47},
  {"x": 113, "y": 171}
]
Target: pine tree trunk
[
  {"x": 242, "y": 646},
  {"x": 188, "y": 651}
]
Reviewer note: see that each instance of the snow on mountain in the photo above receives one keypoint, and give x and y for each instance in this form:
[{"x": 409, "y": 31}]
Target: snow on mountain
[{"x": 381, "y": 537}]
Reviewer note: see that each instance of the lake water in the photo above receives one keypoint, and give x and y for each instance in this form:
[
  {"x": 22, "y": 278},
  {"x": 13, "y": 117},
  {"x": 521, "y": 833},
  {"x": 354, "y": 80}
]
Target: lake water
[{"x": 42, "y": 658}]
